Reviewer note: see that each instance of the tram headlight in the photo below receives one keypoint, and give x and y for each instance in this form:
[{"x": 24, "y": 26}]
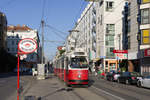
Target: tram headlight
[{"x": 79, "y": 76}]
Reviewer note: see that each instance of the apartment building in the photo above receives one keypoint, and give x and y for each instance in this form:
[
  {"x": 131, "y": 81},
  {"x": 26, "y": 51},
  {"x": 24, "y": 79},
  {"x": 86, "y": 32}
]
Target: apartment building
[
  {"x": 109, "y": 32},
  {"x": 145, "y": 36},
  {"x": 17, "y": 33},
  {"x": 86, "y": 35},
  {"x": 3, "y": 31}
]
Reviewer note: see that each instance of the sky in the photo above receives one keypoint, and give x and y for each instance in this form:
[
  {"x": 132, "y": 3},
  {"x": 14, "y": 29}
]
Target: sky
[{"x": 58, "y": 15}]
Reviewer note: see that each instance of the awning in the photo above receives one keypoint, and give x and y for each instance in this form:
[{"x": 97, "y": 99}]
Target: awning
[{"x": 96, "y": 59}]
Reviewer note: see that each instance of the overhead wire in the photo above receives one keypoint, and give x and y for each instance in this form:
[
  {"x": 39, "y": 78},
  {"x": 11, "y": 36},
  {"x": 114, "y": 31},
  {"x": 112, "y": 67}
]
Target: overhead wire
[
  {"x": 58, "y": 34},
  {"x": 50, "y": 26},
  {"x": 82, "y": 4}
]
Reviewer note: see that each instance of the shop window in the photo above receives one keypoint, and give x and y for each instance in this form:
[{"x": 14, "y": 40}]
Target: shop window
[
  {"x": 145, "y": 1},
  {"x": 146, "y": 36},
  {"x": 145, "y": 16},
  {"x": 109, "y": 6},
  {"x": 13, "y": 42}
]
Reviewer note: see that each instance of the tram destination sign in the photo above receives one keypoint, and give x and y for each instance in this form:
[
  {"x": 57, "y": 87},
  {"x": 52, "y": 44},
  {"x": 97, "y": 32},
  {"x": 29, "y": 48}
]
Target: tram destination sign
[{"x": 27, "y": 45}]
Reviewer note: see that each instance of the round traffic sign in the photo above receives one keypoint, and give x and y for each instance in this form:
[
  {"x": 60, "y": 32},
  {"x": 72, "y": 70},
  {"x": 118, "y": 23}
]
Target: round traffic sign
[{"x": 27, "y": 45}]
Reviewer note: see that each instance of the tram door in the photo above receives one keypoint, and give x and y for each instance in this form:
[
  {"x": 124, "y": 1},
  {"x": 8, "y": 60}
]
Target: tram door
[{"x": 66, "y": 70}]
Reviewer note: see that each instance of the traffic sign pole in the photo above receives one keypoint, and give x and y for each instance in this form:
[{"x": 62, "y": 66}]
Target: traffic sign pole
[
  {"x": 25, "y": 46},
  {"x": 18, "y": 79}
]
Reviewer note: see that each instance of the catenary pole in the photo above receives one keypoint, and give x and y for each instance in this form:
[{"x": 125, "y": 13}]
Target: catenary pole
[{"x": 42, "y": 60}]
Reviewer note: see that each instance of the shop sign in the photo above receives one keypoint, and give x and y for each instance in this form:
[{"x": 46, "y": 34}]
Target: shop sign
[
  {"x": 147, "y": 53},
  {"x": 122, "y": 56}
]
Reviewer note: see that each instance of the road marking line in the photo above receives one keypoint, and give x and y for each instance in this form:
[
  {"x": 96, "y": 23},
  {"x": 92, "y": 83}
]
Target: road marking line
[{"x": 108, "y": 93}]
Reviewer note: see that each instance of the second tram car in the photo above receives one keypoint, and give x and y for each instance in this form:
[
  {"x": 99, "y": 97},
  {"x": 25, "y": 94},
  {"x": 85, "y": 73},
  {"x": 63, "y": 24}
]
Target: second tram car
[{"x": 72, "y": 68}]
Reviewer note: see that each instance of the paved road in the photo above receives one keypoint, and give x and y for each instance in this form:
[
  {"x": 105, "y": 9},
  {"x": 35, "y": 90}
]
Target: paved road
[{"x": 116, "y": 91}]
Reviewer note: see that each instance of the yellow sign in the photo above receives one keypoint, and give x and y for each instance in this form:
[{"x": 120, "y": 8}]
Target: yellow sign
[
  {"x": 145, "y": 33},
  {"x": 145, "y": 1},
  {"x": 146, "y": 36}
]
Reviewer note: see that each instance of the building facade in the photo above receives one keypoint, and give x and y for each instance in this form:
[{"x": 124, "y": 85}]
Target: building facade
[
  {"x": 3, "y": 31},
  {"x": 17, "y": 33},
  {"x": 86, "y": 26},
  {"x": 109, "y": 30},
  {"x": 145, "y": 36},
  {"x": 132, "y": 36}
]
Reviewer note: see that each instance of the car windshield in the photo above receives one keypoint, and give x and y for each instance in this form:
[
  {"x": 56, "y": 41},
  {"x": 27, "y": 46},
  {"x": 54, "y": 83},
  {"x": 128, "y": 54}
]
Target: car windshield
[
  {"x": 135, "y": 74},
  {"x": 79, "y": 62}
]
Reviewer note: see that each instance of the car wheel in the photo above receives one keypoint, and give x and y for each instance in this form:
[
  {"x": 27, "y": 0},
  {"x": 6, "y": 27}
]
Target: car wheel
[
  {"x": 127, "y": 82},
  {"x": 118, "y": 81},
  {"x": 139, "y": 84}
]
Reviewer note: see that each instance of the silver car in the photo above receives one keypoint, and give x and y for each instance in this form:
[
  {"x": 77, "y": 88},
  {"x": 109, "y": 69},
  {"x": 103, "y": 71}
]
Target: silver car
[{"x": 144, "y": 82}]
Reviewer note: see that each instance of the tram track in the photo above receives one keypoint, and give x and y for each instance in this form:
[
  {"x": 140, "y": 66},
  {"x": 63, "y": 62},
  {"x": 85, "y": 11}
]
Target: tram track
[{"x": 76, "y": 94}]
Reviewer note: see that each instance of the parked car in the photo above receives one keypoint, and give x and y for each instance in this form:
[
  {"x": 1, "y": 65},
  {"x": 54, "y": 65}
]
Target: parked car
[
  {"x": 127, "y": 78},
  {"x": 112, "y": 76},
  {"x": 144, "y": 82}
]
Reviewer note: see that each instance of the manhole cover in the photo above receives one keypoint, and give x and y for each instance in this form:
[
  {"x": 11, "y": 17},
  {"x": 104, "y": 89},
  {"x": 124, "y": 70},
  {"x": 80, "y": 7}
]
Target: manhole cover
[{"x": 30, "y": 98}]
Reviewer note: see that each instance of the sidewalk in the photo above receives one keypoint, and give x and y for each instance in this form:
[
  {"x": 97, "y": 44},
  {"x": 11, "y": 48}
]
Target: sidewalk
[{"x": 48, "y": 89}]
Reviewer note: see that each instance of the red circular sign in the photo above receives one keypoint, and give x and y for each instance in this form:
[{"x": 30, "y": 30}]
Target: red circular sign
[{"x": 27, "y": 45}]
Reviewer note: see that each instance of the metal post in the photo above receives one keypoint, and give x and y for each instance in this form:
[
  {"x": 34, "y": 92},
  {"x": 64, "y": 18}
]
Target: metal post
[
  {"x": 18, "y": 80},
  {"x": 41, "y": 67},
  {"x": 42, "y": 60}
]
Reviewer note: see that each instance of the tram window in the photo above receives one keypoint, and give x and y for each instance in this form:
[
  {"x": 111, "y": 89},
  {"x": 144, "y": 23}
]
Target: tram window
[{"x": 79, "y": 63}]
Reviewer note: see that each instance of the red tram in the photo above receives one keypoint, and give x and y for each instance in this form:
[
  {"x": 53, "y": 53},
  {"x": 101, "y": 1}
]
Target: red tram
[{"x": 72, "y": 68}]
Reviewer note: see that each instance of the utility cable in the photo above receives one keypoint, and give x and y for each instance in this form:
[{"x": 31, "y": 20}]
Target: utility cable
[{"x": 50, "y": 26}]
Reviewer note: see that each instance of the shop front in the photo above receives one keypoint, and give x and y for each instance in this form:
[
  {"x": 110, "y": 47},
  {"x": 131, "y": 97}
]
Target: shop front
[
  {"x": 145, "y": 62},
  {"x": 110, "y": 64}
]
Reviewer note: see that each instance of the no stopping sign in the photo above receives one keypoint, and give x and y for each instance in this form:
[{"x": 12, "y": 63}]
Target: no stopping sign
[{"x": 27, "y": 45}]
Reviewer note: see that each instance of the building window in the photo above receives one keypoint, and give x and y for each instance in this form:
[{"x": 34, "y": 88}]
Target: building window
[
  {"x": 12, "y": 42},
  {"x": 109, "y": 40},
  {"x": 129, "y": 9},
  {"x": 144, "y": 16},
  {"x": 109, "y": 5},
  {"x": 109, "y": 52},
  {"x": 129, "y": 26},
  {"x": 145, "y": 1},
  {"x": 146, "y": 36},
  {"x": 129, "y": 46},
  {"x": 110, "y": 29}
]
